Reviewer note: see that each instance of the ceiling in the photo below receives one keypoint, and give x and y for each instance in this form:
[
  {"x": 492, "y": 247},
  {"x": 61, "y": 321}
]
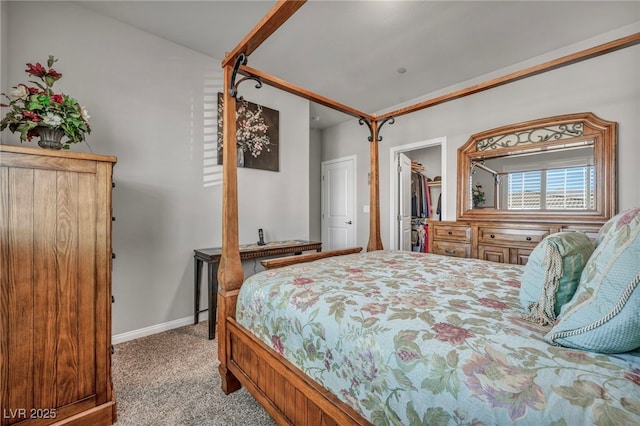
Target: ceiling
[{"x": 350, "y": 51}]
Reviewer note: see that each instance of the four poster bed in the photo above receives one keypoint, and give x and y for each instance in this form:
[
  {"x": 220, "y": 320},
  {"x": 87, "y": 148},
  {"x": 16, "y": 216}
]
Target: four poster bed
[{"x": 389, "y": 337}]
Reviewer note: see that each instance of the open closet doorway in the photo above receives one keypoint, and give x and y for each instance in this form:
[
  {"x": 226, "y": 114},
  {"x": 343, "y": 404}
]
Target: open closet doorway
[{"x": 416, "y": 193}]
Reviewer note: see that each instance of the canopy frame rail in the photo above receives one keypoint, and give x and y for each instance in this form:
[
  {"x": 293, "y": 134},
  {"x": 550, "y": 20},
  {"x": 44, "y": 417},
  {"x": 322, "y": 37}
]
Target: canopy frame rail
[
  {"x": 273, "y": 20},
  {"x": 573, "y": 58},
  {"x": 285, "y": 86}
]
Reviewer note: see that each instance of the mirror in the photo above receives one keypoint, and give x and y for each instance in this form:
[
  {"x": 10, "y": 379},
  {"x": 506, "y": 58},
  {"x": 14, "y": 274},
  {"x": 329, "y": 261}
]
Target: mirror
[
  {"x": 554, "y": 179},
  {"x": 559, "y": 168}
]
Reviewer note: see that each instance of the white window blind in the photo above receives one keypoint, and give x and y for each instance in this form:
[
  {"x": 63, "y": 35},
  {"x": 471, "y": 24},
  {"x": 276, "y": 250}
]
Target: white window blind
[
  {"x": 524, "y": 190},
  {"x": 565, "y": 188},
  {"x": 570, "y": 188}
]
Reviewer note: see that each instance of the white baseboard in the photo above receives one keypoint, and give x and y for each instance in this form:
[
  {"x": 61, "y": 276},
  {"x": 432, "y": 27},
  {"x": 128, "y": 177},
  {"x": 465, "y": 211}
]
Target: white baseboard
[{"x": 154, "y": 329}]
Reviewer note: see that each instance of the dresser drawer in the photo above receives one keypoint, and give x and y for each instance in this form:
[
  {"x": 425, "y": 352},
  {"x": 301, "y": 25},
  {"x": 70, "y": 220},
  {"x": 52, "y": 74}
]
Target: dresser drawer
[
  {"x": 451, "y": 233},
  {"x": 519, "y": 256},
  {"x": 502, "y": 254},
  {"x": 590, "y": 231},
  {"x": 451, "y": 248},
  {"x": 493, "y": 253},
  {"x": 511, "y": 236}
]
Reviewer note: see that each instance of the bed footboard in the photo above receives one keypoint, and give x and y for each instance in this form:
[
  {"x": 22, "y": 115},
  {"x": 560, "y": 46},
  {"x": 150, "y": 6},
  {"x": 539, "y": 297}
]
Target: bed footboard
[
  {"x": 287, "y": 394},
  {"x": 302, "y": 258}
]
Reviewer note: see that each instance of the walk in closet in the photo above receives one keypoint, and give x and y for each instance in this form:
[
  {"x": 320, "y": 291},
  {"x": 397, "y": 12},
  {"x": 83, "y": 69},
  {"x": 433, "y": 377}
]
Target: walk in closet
[{"x": 419, "y": 196}]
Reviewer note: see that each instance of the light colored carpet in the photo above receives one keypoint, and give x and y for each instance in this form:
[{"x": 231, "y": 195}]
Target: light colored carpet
[{"x": 171, "y": 378}]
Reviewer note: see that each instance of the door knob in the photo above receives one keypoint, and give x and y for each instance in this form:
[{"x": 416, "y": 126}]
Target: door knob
[{"x": 349, "y": 223}]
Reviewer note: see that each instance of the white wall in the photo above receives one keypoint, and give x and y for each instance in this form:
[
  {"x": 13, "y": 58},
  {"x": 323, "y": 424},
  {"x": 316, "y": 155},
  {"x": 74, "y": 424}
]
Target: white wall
[
  {"x": 315, "y": 182},
  {"x": 430, "y": 158},
  {"x": 608, "y": 86},
  {"x": 147, "y": 97},
  {"x": 3, "y": 46}
]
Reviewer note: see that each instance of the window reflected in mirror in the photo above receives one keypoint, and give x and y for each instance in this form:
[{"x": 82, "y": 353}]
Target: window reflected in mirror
[{"x": 562, "y": 179}]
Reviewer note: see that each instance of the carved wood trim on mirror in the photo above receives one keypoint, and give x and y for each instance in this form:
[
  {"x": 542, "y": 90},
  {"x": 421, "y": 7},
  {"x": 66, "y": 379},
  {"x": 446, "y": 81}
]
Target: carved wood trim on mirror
[{"x": 556, "y": 169}]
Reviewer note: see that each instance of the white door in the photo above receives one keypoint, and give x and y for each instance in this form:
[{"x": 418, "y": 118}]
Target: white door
[
  {"x": 404, "y": 202},
  {"x": 338, "y": 204}
]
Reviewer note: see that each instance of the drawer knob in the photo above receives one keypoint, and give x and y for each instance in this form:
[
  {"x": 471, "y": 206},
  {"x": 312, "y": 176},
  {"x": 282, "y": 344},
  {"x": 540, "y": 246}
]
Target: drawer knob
[
  {"x": 450, "y": 232},
  {"x": 449, "y": 251},
  {"x": 492, "y": 236},
  {"x": 528, "y": 238}
]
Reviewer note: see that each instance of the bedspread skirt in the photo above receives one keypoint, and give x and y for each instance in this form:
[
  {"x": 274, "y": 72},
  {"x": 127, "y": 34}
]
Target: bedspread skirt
[{"x": 420, "y": 339}]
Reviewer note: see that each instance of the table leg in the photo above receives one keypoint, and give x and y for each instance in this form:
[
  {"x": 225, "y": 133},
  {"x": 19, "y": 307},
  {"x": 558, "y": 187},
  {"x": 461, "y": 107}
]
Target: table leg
[
  {"x": 212, "y": 282},
  {"x": 197, "y": 271}
]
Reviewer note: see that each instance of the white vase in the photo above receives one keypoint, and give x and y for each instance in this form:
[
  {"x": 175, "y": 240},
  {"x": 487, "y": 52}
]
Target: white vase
[{"x": 240, "y": 157}]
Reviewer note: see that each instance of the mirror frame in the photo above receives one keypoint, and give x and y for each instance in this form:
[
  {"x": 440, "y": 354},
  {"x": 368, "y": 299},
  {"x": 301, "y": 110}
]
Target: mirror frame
[{"x": 545, "y": 133}]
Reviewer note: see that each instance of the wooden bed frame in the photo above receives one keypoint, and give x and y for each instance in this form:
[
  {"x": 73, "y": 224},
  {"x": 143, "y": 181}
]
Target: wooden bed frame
[{"x": 285, "y": 392}]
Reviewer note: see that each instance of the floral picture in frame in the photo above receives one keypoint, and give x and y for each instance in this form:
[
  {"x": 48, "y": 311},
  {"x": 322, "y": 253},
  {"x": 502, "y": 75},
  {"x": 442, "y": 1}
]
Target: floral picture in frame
[{"x": 257, "y": 134}]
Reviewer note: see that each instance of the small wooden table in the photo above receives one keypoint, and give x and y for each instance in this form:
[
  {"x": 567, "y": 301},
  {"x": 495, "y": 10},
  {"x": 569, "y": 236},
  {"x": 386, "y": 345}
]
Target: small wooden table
[{"x": 247, "y": 251}]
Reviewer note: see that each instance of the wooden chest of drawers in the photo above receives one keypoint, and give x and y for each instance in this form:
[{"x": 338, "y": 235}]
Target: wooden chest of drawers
[
  {"x": 494, "y": 241},
  {"x": 451, "y": 240},
  {"x": 55, "y": 326},
  {"x": 509, "y": 244}
]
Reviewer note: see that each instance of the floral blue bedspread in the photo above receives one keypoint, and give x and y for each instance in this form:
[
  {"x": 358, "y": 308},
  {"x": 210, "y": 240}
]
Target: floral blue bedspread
[{"x": 420, "y": 339}]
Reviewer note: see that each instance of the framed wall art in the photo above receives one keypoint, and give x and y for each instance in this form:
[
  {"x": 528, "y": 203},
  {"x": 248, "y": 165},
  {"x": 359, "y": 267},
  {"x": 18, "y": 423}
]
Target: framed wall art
[{"x": 257, "y": 134}]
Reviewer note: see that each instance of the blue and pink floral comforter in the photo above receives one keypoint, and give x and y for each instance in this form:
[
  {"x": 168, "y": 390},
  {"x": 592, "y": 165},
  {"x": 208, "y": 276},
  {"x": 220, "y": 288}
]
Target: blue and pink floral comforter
[{"x": 419, "y": 339}]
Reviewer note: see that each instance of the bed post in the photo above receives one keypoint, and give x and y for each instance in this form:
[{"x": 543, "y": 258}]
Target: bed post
[
  {"x": 230, "y": 274},
  {"x": 375, "y": 242}
]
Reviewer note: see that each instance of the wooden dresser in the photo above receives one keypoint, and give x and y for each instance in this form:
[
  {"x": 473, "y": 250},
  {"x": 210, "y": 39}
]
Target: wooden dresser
[
  {"x": 55, "y": 292},
  {"x": 521, "y": 182},
  {"x": 503, "y": 242}
]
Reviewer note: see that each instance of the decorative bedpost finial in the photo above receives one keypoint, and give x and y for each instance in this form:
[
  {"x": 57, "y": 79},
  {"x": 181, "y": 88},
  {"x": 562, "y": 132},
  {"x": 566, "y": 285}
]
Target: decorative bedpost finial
[
  {"x": 363, "y": 120},
  {"x": 368, "y": 123},
  {"x": 390, "y": 120},
  {"x": 241, "y": 59}
]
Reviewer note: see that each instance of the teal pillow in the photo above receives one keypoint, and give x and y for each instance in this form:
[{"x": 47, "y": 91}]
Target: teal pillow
[
  {"x": 604, "y": 314},
  {"x": 606, "y": 229},
  {"x": 552, "y": 274}
]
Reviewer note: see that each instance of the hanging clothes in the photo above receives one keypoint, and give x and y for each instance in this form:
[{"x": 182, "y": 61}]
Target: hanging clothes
[
  {"x": 420, "y": 196},
  {"x": 420, "y": 202},
  {"x": 419, "y": 235},
  {"x": 420, "y": 208},
  {"x": 425, "y": 248},
  {"x": 427, "y": 191}
]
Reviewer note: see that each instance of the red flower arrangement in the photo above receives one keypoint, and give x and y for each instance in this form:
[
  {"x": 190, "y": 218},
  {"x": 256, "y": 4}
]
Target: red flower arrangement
[{"x": 38, "y": 106}]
